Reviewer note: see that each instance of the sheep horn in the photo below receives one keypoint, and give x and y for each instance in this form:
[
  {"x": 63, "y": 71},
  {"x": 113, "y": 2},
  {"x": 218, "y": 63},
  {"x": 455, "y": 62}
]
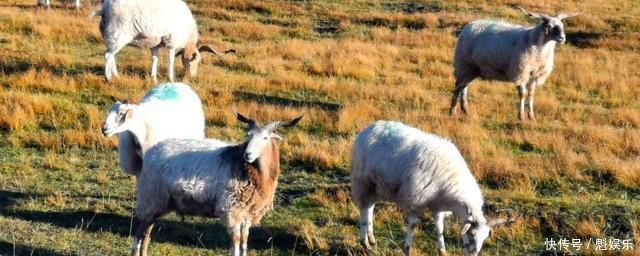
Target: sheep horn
[
  {"x": 275, "y": 124},
  {"x": 180, "y": 52},
  {"x": 535, "y": 14},
  {"x": 567, "y": 15},
  {"x": 206, "y": 48}
]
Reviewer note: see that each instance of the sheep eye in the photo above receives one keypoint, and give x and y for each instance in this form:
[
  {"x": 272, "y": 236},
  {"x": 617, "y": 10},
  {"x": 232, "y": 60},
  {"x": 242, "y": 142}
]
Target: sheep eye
[{"x": 265, "y": 138}]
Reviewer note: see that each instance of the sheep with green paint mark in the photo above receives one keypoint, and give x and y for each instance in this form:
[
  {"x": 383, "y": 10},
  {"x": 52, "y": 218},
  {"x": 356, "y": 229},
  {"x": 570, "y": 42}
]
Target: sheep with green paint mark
[
  {"x": 170, "y": 110},
  {"x": 417, "y": 171}
]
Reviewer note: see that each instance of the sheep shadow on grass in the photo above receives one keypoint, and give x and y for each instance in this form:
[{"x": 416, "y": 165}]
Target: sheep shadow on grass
[
  {"x": 281, "y": 101},
  {"x": 11, "y": 66},
  {"x": 9, "y": 248},
  {"x": 194, "y": 231}
]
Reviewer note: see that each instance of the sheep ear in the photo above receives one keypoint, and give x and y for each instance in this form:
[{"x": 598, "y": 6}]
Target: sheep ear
[
  {"x": 128, "y": 115},
  {"x": 535, "y": 14},
  {"x": 242, "y": 118},
  {"x": 194, "y": 56},
  {"x": 292, "y": 122},
  {"x": 252, "y": 123},
  {"x": 466, "y": 227},
  {"x": 567, "y": 15}
]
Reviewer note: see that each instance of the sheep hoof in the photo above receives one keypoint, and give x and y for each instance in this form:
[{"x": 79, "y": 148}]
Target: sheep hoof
[
  {"x": 532, "y": 117},
  {"x": 366, "y": 247},
  {"x": 521, "y": 116},
  {"x": 406, "y": 250},
  {"x": 372, "y": 239},
  {"x": 442, "y": 252}
]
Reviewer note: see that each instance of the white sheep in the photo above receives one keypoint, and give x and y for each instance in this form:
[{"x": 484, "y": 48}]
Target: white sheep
[
  {"x": 500, "y": 51},
  {"x": 151, "y": 24},
  {"x": 170, "y": 110},
  {"x": 235, "y": 183},
  {"x": 417, "y": 171},
  {"x": 47, "y": 3}
]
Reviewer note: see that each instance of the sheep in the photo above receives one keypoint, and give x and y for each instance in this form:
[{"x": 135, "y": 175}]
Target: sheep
[
  {"x": 47, "y": 3},
  {"x": 500, "y": 51},
  {"x": 152, "y": 24},
  {"x": 417, "y": 171},
  {"x": 235, "y": 183},
  {"x": 170, "y": 110}
]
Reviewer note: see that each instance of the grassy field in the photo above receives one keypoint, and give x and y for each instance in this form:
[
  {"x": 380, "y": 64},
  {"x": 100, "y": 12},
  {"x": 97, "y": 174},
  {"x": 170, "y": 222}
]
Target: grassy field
[{"x": 575, "y": 173}]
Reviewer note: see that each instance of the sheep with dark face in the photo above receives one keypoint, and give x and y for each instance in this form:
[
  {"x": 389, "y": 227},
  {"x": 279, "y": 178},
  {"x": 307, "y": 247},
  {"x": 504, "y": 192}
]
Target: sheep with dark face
[
  {"x": 152, "y": 24},
  {"x": 235, "y": 183},
  {"x": 500, "y": 51},
  {"x": 417, "y": 171}
]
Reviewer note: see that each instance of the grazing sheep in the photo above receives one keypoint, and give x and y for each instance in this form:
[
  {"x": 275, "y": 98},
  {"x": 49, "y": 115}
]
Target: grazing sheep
[
  {"x": 47, "y": 3},
  {"x": 417, "y": 171},
  {"x": 152, "y": 24},
  {"x": 195, "y": 177},
  {"x": 170, "y": 110},
  {"x": 504, "y": 52}
]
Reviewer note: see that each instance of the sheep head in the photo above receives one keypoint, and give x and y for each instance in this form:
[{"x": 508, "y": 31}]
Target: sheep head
[
  {"x": 191, "y": 57},
  {"x": 553, "y": 27},
  {"x": 259, "y": 136},
  {"x": 118, "y": 118},
  {"x": 475, "y": 232}
]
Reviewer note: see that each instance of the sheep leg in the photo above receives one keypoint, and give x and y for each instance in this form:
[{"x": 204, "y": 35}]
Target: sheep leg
[
  {"x": 455, "y": 96},
  {"x": 146, "y": 239},
  {"x": 366, "y": 227},
  {"x": 463, "y": 100},
  {"x": 411, "y": 221},
  {"x": 172, "y": 59},
  {"x": 138, "y": 237},
  {"x": 522, "y": 91},
  {"x": 245, "y": 236},
  {"x": 235, "y": 233},
  {"x": 531, "y": 87},
  {"x": 110, "y": 69},
  {"x": 77, "y": 4},
  {"x": 154, "y": 64},
  {"x": 440, "y": 230}
]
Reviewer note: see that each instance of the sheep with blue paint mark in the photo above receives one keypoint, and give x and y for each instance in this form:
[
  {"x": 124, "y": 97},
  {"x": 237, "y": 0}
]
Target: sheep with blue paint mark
[
  {"x": 417, "y": 171},
  {"x": 170, "y": 110}
]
